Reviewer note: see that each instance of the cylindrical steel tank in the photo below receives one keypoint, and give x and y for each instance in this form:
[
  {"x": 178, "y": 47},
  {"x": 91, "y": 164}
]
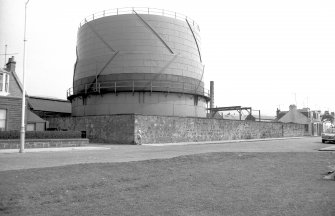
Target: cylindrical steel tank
[{"x": 138, "y": 60}]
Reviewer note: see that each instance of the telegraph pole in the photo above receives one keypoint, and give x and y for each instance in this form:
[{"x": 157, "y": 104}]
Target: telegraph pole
[{"x": 23, "y": 125}]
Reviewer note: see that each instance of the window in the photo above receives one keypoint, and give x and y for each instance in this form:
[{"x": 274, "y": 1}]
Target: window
[
  {"x": 4, "y": 83},
  {"x": 3, "y": 116},
  {"x": 306, "y": 127},
  {"x": 1, "y": 81},
  {"x": 7, "y": 83},
  {"x": 31, "y": 127}
]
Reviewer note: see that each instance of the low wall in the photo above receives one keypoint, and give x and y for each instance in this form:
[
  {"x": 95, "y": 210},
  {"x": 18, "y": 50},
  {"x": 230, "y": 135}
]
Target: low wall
[
  {"x": 123, "y": 129},
  {"x": 42, "y": 143},
  {"x": 116, "y": 129},
  {"x": 160, "y": 129}
]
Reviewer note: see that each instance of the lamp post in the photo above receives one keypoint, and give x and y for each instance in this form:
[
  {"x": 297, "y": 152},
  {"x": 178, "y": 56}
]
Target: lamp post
[{"x": 22, "y": 132}]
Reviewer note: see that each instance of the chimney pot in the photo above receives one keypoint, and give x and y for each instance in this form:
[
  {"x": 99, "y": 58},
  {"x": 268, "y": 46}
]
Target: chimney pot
[
  {"x": 293, "y": 107},
  {"x": 11, "y": 64}
]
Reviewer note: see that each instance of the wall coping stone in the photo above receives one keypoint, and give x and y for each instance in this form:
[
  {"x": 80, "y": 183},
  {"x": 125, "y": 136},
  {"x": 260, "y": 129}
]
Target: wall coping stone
[{"x": 195, "y": 117}]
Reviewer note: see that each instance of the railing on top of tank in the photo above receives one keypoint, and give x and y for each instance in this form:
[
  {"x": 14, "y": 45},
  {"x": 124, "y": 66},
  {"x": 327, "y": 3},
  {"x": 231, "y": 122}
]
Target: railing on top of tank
[
  {"x": 135, "y": 86},
  {"x": 139, "y": 10}
]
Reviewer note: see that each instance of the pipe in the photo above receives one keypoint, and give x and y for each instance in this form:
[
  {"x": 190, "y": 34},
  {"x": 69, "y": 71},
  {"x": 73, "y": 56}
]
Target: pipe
[{"x": 211, "y": 94}]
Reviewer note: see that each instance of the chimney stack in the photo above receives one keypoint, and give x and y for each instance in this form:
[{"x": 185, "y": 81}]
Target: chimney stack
[
  {"x": 293, "y": 107},
  {"x": 211, "y": 94},
  {"x": 11, "y": 64},
  {"x": 277, "y": 112}
]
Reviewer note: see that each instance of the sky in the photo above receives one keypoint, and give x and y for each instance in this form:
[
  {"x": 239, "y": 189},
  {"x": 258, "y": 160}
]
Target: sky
[{"x": 260, "y": 54}]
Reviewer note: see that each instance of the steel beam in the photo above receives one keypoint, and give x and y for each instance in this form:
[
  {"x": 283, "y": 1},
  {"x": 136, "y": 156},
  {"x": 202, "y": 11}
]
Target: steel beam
[
  {"x": 195, "y": 39},
  {"x": 162, "y": 70},
  {"x": 109, "y": 46},
  {"x": 75, "y": 66},
  {"x": 100, "y": 37},
  {"x": 103, "y": 68},
  {"x": 155, "y": 33},
  {"x": 203, "y": 70}
]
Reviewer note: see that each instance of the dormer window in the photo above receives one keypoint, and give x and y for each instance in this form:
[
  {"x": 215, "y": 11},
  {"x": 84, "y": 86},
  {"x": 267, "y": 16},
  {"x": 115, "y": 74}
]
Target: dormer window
[{"x": 4, "y": 83}]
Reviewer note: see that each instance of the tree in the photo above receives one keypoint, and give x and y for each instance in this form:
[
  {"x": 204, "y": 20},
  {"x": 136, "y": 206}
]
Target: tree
[{"x": 327, "y": 118}]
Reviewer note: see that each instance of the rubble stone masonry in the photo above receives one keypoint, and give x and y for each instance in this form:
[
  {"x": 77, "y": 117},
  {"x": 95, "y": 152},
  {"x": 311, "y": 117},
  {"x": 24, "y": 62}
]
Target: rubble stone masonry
[
  {"x": 116, "y": 129},
  {"x": 159, "y": 129},
  {"x": 123, "y": 129}
]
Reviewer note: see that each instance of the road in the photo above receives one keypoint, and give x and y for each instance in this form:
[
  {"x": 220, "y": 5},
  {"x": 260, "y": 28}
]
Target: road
[{"x": 124, "y": 153}]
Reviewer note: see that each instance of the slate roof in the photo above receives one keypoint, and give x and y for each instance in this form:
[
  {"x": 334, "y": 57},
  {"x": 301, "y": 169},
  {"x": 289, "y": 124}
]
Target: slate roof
[
  {"x": 294, "y": 116},
  {"x": 32, "y": 117},
  {"x": 49, "y": 104},
  {"x": 280, "y": 115}
]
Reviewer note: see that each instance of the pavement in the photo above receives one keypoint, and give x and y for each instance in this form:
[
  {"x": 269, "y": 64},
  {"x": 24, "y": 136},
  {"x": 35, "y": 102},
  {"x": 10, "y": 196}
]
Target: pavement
[
  {"x": 221, "y": 142},
  {"x": 103, "y": 146},
  {"x": 30, "y": 150},
  {"x": 330, "y": 148},
  {"x": 99, "y": 153}
]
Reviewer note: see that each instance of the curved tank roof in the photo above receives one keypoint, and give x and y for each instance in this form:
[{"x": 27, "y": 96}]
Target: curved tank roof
[{"x": 138, "y": 50}]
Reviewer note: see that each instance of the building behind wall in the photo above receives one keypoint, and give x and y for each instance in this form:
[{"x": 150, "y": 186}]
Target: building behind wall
[
  {"x": 311, "y": 119},
  {"x": 38, "y": 108}
]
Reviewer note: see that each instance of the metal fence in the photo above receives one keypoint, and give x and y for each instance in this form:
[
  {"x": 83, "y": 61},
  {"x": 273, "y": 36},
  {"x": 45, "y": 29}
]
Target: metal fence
[
  {"x": 139, "y": 10},
  {"x": 137, "y": 86}
]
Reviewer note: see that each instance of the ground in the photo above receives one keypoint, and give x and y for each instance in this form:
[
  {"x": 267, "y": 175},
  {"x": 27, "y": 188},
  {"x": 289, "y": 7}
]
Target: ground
[{"x": 192, "y": 180}]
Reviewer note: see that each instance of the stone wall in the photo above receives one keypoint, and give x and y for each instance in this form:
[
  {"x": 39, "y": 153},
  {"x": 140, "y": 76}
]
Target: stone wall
[
  {"x": 114, "y": 129},
  {"x": 123, "y": 129},
  {"x": 160, "y": 129}
]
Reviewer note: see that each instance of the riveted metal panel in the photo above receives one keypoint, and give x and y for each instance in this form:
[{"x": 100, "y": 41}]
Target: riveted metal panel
[{"x": 154, "y": 53}]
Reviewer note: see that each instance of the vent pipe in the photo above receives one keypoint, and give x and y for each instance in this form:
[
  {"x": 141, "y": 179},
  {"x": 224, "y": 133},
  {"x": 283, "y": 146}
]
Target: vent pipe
[{"x": 211, "y": 92}]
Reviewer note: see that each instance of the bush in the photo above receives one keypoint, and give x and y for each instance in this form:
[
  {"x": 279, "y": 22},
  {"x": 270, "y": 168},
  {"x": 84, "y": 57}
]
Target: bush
[{"x": 41, "y": 134}]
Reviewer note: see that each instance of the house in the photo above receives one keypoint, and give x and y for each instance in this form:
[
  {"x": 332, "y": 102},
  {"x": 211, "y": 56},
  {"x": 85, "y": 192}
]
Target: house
[
  {"x": 10, "y": 98},
  {"x": 37, "y": 109},
  {"x": 311, "y": 119},
  {"x": 46, "y": 107}
]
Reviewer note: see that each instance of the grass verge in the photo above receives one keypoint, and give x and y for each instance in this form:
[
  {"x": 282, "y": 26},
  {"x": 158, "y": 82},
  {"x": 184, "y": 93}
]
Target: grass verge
[{"x": 204, "y": 184}]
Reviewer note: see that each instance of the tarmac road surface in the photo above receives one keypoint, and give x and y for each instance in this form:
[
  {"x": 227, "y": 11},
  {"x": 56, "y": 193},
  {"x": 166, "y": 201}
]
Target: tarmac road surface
[{"x": 125, "y": 153}]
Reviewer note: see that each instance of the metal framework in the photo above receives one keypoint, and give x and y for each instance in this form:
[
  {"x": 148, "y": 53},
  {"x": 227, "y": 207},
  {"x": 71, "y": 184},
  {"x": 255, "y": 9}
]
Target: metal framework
[
  {"x": 140, "y": 10},
  {"x": 239, "y": 109},
  {"x": 136, "y": 86}
]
